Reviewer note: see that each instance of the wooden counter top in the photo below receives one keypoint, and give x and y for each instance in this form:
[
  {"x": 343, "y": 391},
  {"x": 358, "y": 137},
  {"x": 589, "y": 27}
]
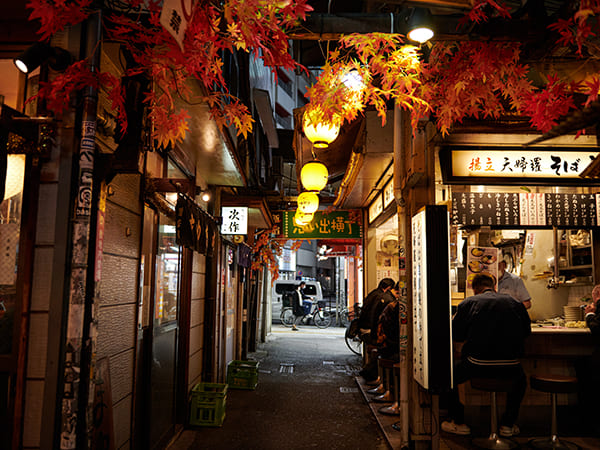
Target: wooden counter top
[{"x": 558, "y": 330}]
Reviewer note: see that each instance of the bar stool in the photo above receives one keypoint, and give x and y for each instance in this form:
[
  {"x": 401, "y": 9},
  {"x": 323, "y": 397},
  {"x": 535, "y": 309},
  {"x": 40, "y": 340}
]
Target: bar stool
[
  {"x": 553, "y": 384},
  {"x": 493, "y": 385},
  {"x": 384, "y": 367},
  {"x": 394, "y": 409}
]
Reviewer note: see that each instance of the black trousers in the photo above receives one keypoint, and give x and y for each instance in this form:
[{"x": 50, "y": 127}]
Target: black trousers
[{"x": 464, "y": 370}]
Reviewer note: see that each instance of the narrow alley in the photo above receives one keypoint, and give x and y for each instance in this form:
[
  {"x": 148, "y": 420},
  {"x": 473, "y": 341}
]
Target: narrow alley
[{"x": 306, "y": 397}]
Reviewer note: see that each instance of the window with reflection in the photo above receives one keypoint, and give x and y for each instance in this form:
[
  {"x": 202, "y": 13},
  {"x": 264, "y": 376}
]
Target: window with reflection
[
  {"x": 168, "y": 260},
  {"x": 10, "y": 226}
]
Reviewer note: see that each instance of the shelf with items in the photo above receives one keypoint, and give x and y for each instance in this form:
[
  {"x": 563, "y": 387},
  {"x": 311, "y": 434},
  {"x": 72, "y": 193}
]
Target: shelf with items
[{"x": 575, "y": 258}]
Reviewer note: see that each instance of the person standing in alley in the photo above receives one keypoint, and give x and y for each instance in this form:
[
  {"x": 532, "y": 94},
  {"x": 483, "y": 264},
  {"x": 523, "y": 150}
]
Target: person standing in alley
[
  {"x": 511, "y": 284},
  {"x": 493, "y": 327},
  {"x": 297, "y": 297},
  {"x": 369, "y": 316}
]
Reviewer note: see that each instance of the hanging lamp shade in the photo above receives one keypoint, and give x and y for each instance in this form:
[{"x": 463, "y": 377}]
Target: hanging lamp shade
[
  {"x": 302, "y": 219},
  {"x": 314, "y": 175},
  {"x": 320, "y": 133},
  {"x": 420, "y": 25},
  {"x": 308, "y": 202}
]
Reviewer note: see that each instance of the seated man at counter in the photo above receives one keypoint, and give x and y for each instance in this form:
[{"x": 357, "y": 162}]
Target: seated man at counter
[
  {"x": 509, "y": 283},
  {"x": 493, "y": 327}
]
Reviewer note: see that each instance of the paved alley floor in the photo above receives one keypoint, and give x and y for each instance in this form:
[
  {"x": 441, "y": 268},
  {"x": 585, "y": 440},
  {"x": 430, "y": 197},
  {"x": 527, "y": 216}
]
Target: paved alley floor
[{"x": 306, "y": 398}]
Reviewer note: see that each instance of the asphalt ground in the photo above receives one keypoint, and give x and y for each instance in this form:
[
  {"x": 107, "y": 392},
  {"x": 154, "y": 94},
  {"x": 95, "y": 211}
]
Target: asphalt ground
[{"x": 307, "y": 397}]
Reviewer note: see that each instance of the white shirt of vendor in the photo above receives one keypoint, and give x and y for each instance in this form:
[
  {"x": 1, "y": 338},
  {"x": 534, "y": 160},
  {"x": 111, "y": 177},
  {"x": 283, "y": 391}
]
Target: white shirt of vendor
[{"x": 513, "y": 285}]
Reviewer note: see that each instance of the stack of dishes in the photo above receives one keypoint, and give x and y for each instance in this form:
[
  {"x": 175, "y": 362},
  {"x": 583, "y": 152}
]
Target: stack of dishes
[{"x": 572, "y": 313}]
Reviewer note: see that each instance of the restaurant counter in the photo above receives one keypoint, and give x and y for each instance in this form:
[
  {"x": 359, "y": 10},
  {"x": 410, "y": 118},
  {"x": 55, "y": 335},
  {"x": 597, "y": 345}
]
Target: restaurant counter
[{"x": 549, "y": 349}]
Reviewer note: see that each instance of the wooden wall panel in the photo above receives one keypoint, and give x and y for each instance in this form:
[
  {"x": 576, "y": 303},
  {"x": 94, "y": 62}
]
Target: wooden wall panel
[
  {"x": 124, "y": 190},
  {"x": 116, "y": 329},
  {"x": 34, "y": 395},
  {"x": 121, "y": 375},
  {"x": 122, "y": 422},
  {"x": 119, "y": 280},
  {"x": 122, "y": 232},
  {"x": 42, "y": 278},
  {"x": 37, "y": 345},
  {"x": 46, "y": 220}
]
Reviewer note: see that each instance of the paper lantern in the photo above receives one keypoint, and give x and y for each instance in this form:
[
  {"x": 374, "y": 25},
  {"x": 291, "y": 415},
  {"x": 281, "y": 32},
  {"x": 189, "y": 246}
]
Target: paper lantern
[
  {"x": 302, "y": 219},
  {"x": 314, "y": 176},
  {"x": 320, "y": 133},
  {"x": 308, "y": 202}
]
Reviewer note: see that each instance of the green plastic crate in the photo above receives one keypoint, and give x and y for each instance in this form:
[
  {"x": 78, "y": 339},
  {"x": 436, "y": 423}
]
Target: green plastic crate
[
  {"x": 242, "y": 374},
  {"x": 207, "y": 404}
]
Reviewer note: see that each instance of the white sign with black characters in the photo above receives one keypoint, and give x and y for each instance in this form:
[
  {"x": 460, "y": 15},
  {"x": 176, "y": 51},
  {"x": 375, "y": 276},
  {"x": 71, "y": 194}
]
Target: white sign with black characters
[
  {"x": 235, "y": 220},
  {"x": 175, "y": 17}
]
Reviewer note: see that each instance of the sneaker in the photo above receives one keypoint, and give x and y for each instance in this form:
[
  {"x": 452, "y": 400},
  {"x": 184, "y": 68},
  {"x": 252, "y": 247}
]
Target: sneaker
[
  {"x": 451, "y": 427},
  {"x": 509, "y": 431},
  {"x": 294, "y": 328}
]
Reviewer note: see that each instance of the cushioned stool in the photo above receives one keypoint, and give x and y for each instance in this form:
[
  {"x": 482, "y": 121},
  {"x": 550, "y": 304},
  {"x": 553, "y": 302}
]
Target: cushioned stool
[
  {"x": 493, "y": 385},
  {"x": 553, "y": 384}
]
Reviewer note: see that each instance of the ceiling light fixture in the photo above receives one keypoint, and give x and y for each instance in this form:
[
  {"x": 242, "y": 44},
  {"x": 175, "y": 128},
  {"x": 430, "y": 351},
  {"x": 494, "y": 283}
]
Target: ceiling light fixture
[{"x": 420, "y": 25}]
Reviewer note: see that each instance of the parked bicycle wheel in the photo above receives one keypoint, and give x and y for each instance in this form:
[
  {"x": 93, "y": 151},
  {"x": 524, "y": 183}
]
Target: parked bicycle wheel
[
  {"x": 287, "y": 317},
  {"x": 322, "y": 319},
  {"x": 353, "y": 343}
]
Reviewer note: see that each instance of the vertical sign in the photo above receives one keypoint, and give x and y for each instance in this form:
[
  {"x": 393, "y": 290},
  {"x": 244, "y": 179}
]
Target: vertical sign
[
  {"x": 420, "y": 366},
  {"x": 432, "y": 310},
  {"x": 235, "y": 220},
  {"x": 175, "y": 17}
]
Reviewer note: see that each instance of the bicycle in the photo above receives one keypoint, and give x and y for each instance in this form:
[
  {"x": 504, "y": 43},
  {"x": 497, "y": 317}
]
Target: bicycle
[
  {"x": 320, "y": 317},
  {"x": 353, "y": 340}
]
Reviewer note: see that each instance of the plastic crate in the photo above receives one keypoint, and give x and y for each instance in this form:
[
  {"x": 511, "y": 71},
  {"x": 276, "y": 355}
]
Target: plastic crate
[
  {"x": 242, "y": 374},
  {"x": 207, "y": 404}
]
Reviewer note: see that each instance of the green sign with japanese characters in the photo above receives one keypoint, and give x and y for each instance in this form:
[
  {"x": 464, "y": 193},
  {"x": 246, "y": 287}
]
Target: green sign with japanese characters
[{"x": 325, "y": 225}]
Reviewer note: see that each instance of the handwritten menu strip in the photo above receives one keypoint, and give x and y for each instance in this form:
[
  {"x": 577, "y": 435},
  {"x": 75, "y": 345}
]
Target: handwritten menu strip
[
  {"x": 525, "y": 209},
  {"x": 485, "y": 209}
]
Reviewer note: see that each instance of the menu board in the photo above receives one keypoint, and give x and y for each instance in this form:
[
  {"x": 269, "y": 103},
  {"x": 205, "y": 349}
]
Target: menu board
[
  {"x": 525, "y": 209},
  {"x": 478, "y": 208}
]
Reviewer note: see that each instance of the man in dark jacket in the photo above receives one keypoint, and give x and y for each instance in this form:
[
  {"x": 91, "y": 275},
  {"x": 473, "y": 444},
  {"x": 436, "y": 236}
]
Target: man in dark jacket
[
  {"x": 373, "y": 306},
  {"x": 493, "y": 328}
]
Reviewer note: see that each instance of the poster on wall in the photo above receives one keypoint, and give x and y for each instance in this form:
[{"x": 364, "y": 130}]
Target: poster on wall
[{"x": 481, "y": 260}]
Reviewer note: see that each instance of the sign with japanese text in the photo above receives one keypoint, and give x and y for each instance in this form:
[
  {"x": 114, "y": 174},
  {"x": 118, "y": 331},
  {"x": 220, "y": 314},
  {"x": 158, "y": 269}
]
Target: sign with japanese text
[
  {"x": 375, "y": 208},
  {"x": 332, "y": 225},
  {"x": 388, "y": 194},
  {"x": 235, "y": 220},
  {"x": 525, "y": 209},
  {"x": 502, "y": 164},
  {"x": 175, "y": 17}
]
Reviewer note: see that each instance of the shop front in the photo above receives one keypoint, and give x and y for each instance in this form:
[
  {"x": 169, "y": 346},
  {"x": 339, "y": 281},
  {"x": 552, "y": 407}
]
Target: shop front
[{"x": 526, "y": 210}]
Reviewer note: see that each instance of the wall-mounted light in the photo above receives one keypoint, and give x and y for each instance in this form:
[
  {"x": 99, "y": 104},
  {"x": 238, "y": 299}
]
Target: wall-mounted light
[
  {"x": 314, "y": 175},
  {"x": 39, "y": 53},
  {"x": 308, "y": 202},
  {"x": 420, "y": 25},
  {"x": 320, "y": 132},
  {"x": 203, "y": 193}
]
